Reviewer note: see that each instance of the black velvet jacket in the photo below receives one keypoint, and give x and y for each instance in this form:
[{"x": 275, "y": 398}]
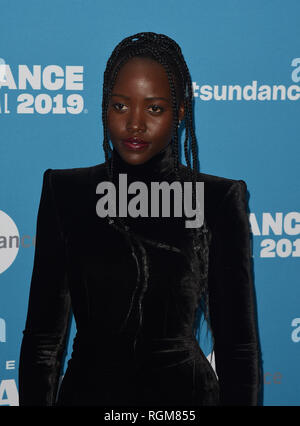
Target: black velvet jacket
[{"x": 84, "y": 265}]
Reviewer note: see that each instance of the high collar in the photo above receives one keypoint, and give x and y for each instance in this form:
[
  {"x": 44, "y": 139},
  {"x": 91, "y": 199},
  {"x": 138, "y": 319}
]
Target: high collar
[{"x": 158, "y": 168}]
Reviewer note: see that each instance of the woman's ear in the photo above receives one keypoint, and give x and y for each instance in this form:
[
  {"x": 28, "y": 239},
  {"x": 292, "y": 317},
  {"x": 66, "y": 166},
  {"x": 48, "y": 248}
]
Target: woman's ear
[{"x": 181, "y": 112}]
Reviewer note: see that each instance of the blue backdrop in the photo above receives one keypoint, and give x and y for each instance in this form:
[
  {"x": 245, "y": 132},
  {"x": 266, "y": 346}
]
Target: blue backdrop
[{"x": 244, "y": 58}]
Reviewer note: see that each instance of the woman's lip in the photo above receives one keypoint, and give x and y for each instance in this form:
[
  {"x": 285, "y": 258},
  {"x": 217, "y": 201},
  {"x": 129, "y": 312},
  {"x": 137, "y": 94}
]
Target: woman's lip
[
  {"x": 135, "y": 140},
  {"x": 134, "y": 144}
]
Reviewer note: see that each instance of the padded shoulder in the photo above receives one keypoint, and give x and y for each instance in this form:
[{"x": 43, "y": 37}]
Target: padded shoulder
[
  {"x": 77, "y": 175},
  {"x": 217, "y": 190}
]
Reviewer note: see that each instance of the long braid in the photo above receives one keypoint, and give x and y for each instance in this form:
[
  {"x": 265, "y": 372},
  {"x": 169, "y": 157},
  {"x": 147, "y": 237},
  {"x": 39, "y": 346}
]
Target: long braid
[{"x": 167, "y": 52}]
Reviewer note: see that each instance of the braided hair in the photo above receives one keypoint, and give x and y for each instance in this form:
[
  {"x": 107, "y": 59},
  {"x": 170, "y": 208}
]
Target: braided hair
[{"x": 166, "y": 52}]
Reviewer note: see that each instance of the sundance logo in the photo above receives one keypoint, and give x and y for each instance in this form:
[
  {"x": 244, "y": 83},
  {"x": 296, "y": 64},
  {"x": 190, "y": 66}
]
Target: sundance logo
[
  {"x": 44, "y": 90},
  {"x": 9, "y": 241},
  {"x": 280, "y": 232},
  {"x": 2, "y": 331},
  {"x": 2, "y": 71}
]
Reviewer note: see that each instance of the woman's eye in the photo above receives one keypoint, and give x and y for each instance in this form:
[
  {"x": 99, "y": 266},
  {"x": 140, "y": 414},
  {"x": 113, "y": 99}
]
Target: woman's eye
[
  {"x": 119, "y": 107},
  {"x": 156, "y": 108}
]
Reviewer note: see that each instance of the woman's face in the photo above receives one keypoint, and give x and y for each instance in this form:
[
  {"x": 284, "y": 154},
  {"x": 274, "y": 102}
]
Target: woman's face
[{"x": 140, "y": 112}]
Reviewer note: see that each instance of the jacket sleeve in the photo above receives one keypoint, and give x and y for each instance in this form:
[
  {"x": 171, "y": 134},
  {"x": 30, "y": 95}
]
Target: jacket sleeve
[
  {"x": 232, "y": 302},
  {"x": 44, "y": 337}
]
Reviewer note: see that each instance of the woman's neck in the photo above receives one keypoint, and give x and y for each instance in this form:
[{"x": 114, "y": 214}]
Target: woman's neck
[{"x": 158, "y": 168}]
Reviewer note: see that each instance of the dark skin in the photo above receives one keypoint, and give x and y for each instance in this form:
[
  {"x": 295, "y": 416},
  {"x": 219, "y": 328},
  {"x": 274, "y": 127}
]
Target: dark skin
[{"x": 141, "y": 107}]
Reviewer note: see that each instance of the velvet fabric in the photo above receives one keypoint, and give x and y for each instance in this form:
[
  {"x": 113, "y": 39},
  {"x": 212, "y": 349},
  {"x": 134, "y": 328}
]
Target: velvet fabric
[{"x": 85, "y": 265}]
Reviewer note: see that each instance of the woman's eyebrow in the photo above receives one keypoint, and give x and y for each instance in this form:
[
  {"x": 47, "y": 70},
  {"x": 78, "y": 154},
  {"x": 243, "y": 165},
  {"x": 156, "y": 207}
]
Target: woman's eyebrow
[
  {"x": 121, "y": 96},
  {"x": 157, "y": 98},
  {"x": 149, "y": 98}
]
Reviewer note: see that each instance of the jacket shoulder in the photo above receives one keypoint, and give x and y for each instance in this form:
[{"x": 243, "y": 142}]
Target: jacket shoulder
[
  {"x": 216, "y": 188},
  {"x": 76, "y": 175},
  {"x": 221, "y": 187},
  {"x": 67, "y": 185},
  {"x": 61, "y": 180}
]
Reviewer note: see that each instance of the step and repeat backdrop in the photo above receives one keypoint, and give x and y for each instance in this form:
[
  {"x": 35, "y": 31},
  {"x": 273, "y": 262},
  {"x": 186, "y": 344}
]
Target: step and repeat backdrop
[{"x": 244, "y": 58}]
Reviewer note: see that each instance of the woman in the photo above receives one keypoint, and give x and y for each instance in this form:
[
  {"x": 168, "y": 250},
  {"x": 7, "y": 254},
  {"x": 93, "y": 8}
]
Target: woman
[{"x": 137, "y": 284}]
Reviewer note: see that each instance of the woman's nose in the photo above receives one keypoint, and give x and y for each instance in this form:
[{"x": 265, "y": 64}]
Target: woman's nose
[{"x": 136, "y": 121}]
